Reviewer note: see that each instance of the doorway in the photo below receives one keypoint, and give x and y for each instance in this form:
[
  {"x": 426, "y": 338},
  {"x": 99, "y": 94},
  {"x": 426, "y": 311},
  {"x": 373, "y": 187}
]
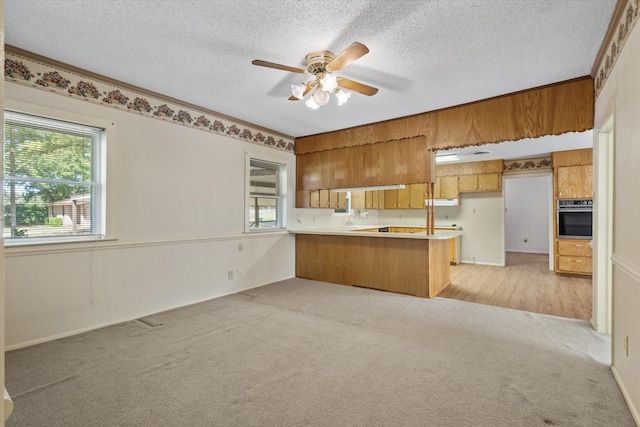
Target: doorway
[{"x": 528, "y": 222}]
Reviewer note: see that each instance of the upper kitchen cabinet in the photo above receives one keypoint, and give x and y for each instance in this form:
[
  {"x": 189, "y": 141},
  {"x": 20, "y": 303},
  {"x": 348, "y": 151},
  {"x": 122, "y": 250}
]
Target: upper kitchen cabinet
[
  {"x": 471, "y": 176},
  {"x": 573, "y": 172},
  {"x": 446, "y": 187},
  {"x": 574, "y": 182}
]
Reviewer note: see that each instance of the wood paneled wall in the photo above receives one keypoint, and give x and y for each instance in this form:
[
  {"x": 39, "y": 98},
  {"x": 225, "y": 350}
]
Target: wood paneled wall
[
  {"x": 405, "y": 161},
  {"x": 548, "y": 110}
]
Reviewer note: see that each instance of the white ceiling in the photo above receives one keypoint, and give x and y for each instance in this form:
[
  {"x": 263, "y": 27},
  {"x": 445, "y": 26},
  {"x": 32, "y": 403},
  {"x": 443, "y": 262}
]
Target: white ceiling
[{"x": 424, "y": 55}]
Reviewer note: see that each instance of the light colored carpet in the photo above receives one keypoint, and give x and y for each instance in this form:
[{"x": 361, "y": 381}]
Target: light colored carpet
[{"x": 305, "y": 353}]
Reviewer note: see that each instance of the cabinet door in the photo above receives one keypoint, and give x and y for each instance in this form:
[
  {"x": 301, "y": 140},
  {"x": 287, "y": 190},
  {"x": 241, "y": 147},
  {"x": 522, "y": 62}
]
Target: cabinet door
[
  {"x": 404, "y": 197},
  {"x": 381, "y": 199},
  {"x": 489, "y": 182},
  {"x": 314, "y": 199},
  {"x": 375, "y": 199},
  {"x": 417, "y": 194},
  {"x": 324, "y": 198},
  {"x": 574, "y": 182},
  {"x": 337, "y": 200},
  {"x": 468, "y": 182},
  {"x": 368, "y": 200},
  {"x": 358, "y": 200},
  {"x": 390, "y": 199},
  {"x": 448, "y": 187}
]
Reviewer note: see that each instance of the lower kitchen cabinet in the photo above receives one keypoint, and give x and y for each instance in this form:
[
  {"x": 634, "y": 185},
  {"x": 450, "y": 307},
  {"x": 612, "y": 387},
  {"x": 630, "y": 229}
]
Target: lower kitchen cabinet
[{"x": 574, "y": 257}]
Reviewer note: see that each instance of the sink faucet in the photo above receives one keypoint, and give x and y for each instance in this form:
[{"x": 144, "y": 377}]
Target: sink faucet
[{"x": 349, "y": 222}]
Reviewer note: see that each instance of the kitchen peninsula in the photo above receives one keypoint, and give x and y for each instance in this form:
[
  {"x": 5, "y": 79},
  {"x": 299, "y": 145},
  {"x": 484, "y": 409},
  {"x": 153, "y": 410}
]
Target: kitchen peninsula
[{"x": 408, "y": 263}]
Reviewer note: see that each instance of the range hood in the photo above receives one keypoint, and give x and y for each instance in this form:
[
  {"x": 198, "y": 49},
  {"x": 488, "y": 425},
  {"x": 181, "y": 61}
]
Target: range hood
[{"x": 444, "y": 202}]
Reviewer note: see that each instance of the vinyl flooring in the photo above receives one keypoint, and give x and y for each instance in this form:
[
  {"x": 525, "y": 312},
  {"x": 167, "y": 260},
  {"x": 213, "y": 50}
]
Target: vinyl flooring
[{"x": 525, "y": 283}]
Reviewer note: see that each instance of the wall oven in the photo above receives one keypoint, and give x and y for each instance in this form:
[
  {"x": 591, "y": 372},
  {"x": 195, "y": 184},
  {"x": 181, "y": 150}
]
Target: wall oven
[{"x": 575, "y": 219}]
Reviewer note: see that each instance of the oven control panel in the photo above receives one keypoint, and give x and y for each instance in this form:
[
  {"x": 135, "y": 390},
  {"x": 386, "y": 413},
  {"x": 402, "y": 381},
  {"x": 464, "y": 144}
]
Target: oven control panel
[{"x": 575, "y": 203}]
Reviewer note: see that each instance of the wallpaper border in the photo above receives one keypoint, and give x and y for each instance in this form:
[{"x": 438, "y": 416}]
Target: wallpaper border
[
  {"x": 54, "y": 78},
  {"x": 624, "y": 26}
]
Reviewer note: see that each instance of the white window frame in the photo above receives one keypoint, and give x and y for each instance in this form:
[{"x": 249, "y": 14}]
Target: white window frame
[
  {"x": 281, "y": 196},
  {"x": 99, "y": 171}
]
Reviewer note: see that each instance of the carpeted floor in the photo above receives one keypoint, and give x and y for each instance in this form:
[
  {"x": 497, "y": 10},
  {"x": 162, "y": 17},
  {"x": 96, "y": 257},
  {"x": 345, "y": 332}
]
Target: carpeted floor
[{"x": 305, "y": 353}]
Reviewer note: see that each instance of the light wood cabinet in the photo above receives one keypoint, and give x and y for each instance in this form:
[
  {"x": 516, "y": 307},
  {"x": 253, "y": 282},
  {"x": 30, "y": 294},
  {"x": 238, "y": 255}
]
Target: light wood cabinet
[
  {"x": 390, "y": 199},
  {"x": 410, "y": 197},
  {"x": 324, "y": 199},
  {"x": 489, "y": 182},
  {"x": 314, "y": 199},
  {"x": 417, "y": 195},
  {"x": 358, "y": 200},
  {"x": 468, "y": 183},
  {"x": 574, "y": 182},
  {"x": 480, "y": 182},
  {"x": 574, "y": 257},
  {"x": 337, "y": 200},
  {"x": 446, "y": 187}
]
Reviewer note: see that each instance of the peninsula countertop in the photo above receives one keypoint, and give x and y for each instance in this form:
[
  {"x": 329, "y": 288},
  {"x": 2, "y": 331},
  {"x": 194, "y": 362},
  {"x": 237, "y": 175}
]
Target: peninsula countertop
[{"x": 360, "y": 231}]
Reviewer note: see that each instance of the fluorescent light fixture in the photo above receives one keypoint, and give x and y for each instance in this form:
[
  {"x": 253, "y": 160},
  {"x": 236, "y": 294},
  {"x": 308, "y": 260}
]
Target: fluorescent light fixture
[
  {"x": 378, "y": 187},
  {"x": 447, "y": 158}
]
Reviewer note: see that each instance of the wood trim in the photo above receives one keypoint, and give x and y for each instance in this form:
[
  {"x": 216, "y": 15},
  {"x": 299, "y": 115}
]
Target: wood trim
[
  {"x": 609, "y": 35},
  {"x": 546, "y": 110},
  {"x": 108, "y": 80}
]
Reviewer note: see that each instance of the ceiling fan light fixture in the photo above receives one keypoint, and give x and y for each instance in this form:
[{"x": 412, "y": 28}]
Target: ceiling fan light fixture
[
  {"x": 320, "y": 97},
  {"x": 298, "y": 90},
  {"x": 329, "y": 82},
  {"x": 312, "y": 104},
  {"x": 343, "y": 96}
]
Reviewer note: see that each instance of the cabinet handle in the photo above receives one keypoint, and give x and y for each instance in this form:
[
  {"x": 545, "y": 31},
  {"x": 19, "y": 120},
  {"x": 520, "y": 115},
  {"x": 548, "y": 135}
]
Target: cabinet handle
[
  {"x": 578, "y": 246},
  {"x": 577, "y": 260}
]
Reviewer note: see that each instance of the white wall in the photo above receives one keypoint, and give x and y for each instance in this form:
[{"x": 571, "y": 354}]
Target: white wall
[
  {"x": 527, "y": 213},
  {"x": 481, "y": 216},
  {"x": 2, "y": 281},
  {"x": 175, "y": 218},
  {"x": 621, "y": 95}
]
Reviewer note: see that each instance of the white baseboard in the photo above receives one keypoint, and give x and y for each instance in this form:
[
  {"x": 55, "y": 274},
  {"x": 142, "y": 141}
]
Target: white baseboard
[
  {"x": 522, "y": 251},
  {"x": 495, "y": 264},
  {"x": 634, "y": 411}
]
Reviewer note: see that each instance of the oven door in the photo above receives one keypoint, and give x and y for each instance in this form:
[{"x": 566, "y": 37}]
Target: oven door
[{"x": 575, "y": 223}]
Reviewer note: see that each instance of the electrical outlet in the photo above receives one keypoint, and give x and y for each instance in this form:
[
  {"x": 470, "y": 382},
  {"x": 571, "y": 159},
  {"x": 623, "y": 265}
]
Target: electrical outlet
[
  {"x": 239, "y": 273},
  {"x": 240, "y": 247},
  {"x": 526, "y": 240},
  {"x": 230, "y": 274}
]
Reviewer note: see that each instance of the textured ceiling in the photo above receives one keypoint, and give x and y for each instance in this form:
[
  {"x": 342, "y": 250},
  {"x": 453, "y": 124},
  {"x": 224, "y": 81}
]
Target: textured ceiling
[{"x": 424, "y": 55}]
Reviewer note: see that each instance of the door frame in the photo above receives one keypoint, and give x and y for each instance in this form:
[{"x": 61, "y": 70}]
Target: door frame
[{"x": 604, "y": 163}]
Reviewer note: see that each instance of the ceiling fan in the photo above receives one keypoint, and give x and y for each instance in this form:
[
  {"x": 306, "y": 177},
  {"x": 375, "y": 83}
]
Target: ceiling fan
[{"x": 322, "y": 64}]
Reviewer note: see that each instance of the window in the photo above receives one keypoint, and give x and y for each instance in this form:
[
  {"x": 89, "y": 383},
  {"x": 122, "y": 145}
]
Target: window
[
  {"x": 266, "y": 198},
  {"x": 52, "y": 179}
]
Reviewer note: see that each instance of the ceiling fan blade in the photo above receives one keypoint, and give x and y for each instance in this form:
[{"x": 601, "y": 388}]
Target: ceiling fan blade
[
  {"x": 310, "y": 85},
  {"x": 357, "y": 87},
  {"x": 347, "y": 56},
  {"x": 277, "y": 66}
]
